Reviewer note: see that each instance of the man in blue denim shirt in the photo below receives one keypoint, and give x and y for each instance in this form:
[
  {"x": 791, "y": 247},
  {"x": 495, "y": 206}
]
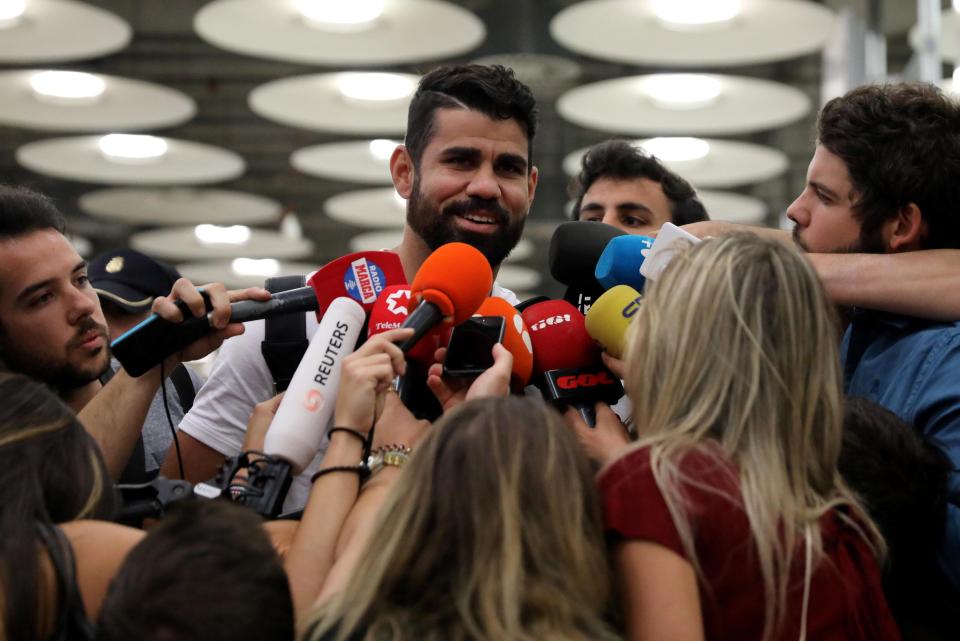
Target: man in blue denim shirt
[{"x": 885, "y": 178}]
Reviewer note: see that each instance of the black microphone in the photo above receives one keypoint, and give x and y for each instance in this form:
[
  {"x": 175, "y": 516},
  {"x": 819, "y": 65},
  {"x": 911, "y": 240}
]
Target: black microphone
[
  {"x": 575, "y": 249},
  {"x": 143, "y": 347}
]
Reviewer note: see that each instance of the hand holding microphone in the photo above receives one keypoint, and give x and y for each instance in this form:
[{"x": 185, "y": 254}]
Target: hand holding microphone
[
  {"x": 360, "y": 277},
  {"x": 366, "y": 377}
]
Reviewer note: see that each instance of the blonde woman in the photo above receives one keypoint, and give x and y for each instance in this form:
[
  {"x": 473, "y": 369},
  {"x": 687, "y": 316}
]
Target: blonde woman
[
  {"x": 729, "y": 517},
  {"x": 492, "y": 531}
]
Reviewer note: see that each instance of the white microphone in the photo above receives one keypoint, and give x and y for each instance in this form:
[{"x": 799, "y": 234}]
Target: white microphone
[{"x": 297, "y": 430}]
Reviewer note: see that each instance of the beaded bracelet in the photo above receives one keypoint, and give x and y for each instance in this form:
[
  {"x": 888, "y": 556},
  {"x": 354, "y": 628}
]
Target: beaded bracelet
[
  {"x": 356, "y": 469},
  {"x": 348, "y": 430}
]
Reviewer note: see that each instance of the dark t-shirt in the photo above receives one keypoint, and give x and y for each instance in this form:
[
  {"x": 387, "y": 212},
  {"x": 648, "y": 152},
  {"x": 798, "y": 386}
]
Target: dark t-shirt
[{"x": 846, "y": 598}]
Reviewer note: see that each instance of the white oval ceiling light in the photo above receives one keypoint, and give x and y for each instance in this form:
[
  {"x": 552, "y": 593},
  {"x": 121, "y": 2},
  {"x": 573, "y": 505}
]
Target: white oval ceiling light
[
  {"x": 374, "y": 87},
  {"x": 726, "y": 164},
  {"x": 382, "y": 149},
  {"x": 132, "y": 148},
  {"x": 67, "y": 87},
  {"x": 681, "y": 90},
  {"x": 10, "y": 12},
  {"x": 623, "y": 107},
  {"x": 677, "y": 149},
  {"x": 340, "y": 16},
  {"x": 341, "y": 33},
  {"x": 687, "y": 14},
  {"x": 632, "y": 33},
  {"x": 263, "y": 267},
  {"x": 222, "y": 235}
]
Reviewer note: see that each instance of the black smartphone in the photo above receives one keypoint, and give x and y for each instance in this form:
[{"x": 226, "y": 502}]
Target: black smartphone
[{"x": 469, "y": 352}]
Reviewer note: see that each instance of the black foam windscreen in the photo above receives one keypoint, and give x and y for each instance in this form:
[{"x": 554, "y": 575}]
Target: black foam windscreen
[{"x": 575, "y": 249}]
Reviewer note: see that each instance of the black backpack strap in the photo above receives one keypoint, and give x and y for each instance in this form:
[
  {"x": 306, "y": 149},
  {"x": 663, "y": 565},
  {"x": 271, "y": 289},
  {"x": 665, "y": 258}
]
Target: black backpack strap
[
  {"x": 182, "y": 382},
  {"x": 284, "y": 336}
]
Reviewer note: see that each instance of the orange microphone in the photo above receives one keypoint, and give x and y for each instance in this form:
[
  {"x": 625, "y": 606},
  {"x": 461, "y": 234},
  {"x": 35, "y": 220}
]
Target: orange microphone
[
  {"x": 516, "y": 338},
  {"x": 449, "y": 287}
]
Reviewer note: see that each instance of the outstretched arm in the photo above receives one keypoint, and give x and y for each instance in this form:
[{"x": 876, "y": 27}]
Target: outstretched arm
[
  {"x": 114, "y": 417},
  {"x": 364, "y": 380},
  {"x": 924, "y": 284}
]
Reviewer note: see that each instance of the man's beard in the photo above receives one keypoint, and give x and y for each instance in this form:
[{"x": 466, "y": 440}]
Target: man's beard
[
  {"x": 866, "y": 243},
  {"x": 59, "y": 374},
  {"x": 438, "y": 228}
]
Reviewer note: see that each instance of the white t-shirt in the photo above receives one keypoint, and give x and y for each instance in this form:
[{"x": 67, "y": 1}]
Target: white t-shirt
[{"x": 239, "y": 380}]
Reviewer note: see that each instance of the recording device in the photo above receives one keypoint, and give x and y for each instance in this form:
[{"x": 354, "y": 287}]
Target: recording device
[
  {"x": 150, "y": 500},
  {"x": 610, "y": 316},
  {"x": 471, "y": 343},
  {"x": 621, "y": 261},
  {"x": 448, "y": 288},
  {"x": 575, "y": 249},
  {"x": 360, "y": 276},
  {"x": 301, "y": 420},
  {"x": 567, "y": 365}
]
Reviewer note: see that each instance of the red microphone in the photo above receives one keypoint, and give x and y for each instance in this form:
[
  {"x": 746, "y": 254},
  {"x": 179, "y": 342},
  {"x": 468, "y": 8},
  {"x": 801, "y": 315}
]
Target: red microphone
[
  {"x": 448, "y": 288},
  {"x": 516, "y": 338},
  {"x": 560, "y": 338},
  {"x": 360, "y": 276},
  {"x": 391, "y": 310},
  {"x": 567, "y": 365}
]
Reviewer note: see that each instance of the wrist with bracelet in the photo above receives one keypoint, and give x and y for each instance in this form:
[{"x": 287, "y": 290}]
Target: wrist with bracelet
[{"x": 395, "y": 455}]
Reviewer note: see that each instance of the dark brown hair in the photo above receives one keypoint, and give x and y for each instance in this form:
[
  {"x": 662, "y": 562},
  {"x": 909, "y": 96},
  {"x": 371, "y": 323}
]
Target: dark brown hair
[
  {"x": 492, "y": 90},
  {"x": 620, "y": 160},
  {"x": 901, "y": 144}
]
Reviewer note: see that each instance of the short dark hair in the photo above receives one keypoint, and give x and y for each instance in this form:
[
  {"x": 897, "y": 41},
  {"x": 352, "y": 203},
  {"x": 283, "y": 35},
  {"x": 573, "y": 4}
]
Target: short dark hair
[
  {"x": 902, "y": 479},
  {"x": 207, "y": 572},
  {"x": 621, "y": 160},
  {"x": 901, "y": 144},
  {"x": 492, "y": 90},
  {"x": 23, "y": 211}
]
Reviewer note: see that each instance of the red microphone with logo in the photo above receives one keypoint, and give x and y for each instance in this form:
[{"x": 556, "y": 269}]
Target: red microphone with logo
[
  {"x": 566, "y": 361},
  {"x": 391, "y": 310}
]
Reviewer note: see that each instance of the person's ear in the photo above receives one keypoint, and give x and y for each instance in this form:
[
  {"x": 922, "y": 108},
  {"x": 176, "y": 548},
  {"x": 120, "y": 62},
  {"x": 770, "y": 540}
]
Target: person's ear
[
  {"x": 532, "y": 183},
  {"x": 904, "y": 231},
  {"x": 403, "y": 171}
]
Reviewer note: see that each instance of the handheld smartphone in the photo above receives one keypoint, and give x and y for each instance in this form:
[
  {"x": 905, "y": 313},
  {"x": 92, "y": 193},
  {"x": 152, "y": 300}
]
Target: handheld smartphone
[{"x": 469, "y": 352}]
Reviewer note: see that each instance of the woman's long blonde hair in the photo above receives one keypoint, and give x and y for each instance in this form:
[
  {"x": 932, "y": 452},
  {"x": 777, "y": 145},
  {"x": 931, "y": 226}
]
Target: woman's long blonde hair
[
  {"x": 736, "y": 344},
  {"x": 493, "y": 531}
]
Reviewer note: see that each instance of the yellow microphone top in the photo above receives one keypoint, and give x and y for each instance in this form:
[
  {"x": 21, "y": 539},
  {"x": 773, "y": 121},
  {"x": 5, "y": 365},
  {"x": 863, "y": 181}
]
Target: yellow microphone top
[{"x": 610, "y": 315}]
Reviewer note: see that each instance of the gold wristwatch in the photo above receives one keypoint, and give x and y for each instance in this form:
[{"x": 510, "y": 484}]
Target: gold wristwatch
[{"x": 395, "y": 455}]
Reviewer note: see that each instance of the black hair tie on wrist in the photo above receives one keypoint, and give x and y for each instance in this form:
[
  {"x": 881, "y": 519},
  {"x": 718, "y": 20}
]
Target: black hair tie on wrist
[
  {"x": 349, "y": 430},
  {"x": 356, "y": 469}
]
